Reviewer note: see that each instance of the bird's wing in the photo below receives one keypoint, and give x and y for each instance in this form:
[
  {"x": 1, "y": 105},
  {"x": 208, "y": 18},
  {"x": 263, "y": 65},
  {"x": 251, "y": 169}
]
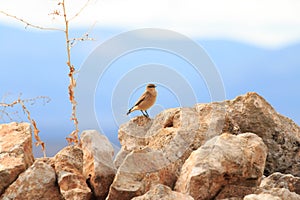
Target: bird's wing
[{"x": 142, "y": 98}]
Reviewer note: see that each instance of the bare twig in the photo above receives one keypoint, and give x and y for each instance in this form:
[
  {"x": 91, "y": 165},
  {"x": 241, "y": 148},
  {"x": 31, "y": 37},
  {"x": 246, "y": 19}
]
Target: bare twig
[
  {"x": 36, "y": 131},
  {"x": 85, "y": 37},
  {"x": 3, "y": 112},
  {"x": 81, "y": 9},
  {"x": 30, "y": 24}
]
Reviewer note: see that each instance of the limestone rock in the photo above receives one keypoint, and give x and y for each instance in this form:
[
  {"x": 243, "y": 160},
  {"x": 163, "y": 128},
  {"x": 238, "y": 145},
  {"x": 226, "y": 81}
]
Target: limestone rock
[
  {"x": 235, "y": 192},
  {"x": 162, "y": 192},
  {"x": 38, "y": 182},
  {"x": 132, "y": 133},
  {"x": 224, "y": 160},
  {"x": 98, "y": 165},
  {"x": 140, "y": 170},
  {"x": 274, "y": 194},
  {"x": 15, "y": 152},
  {"x": 68, "y": 167},
  {"x": 252, "y": 113},
  {"x": 278, "y": 180},
  {"x": 120, "y": 157}
]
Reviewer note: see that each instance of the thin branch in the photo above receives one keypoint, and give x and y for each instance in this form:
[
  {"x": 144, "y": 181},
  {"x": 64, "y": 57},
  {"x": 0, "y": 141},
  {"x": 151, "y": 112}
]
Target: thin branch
[
  {"x": 3, "y": 112},
  {"x": 81, "y": 9},
  {"x": 36, "y": 131},
  {"x": 85, "y": 37},
  {"x": 30, "y": 24}
]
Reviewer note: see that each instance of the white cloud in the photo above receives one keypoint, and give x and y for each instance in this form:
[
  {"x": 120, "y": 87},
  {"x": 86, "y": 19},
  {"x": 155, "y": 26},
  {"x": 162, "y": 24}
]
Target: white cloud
[{"x": 264, "y": 22}]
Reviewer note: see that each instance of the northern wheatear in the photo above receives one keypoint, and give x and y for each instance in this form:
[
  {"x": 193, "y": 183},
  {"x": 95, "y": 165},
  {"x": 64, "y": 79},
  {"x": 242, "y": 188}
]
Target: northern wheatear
[{"x": 147, "y": 100}]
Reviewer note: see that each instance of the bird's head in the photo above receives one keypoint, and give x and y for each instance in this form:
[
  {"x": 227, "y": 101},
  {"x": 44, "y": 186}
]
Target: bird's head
[{"x": 151, "y": 87}]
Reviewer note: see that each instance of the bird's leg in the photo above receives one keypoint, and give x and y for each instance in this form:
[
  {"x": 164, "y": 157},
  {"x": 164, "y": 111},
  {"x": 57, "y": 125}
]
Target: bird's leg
[
  {"x": 147, "y": 113},
  {"x": 144, "y": 113}
]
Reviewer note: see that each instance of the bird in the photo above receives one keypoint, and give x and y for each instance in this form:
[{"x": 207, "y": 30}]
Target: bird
[{"x": 147, "y": 100}]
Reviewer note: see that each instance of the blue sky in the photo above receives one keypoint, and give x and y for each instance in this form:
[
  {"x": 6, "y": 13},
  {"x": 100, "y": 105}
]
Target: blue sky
[{"x": 252, "y": 52}]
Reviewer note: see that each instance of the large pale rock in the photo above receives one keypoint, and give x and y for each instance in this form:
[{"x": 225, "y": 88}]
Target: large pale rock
[
  {"x": 179, "y": 131},
  {"x": 222, "y": 161},
  {"x": 132, "y": 134},
  {"x": 162, "y": 192},
  {"x": 15, "y": 152},
  {"x": 274, "y": 194},
  {"x": 140, "y": 170},
  {"x": 68, "y": 167},
  {"x": 278, "y": 180},
  {"x": 253, "y": 114},
  {"x": 98, "y": 167},
  {"x": 120, "y": 157},
  {"x": 38, "y": 182}
]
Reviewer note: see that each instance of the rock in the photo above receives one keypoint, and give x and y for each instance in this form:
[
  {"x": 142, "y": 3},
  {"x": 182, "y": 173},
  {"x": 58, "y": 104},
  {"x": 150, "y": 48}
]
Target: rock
[
  {"x": 222, "y": 161},
  {"x": 38, "y": 182},
  {"x": 132, "y": 133},
  {"x": 274, "y": 194},
  {"x": 68, "y": 167},
  {"x": 98, "y": 165},
  {"x": 162, "y": 192},
  {"x": 15, "y": 152},
  {"x": 253, "y": 114},
  {"x": 177, "y": 132},
  {"x": 235, "y": 192},
  {"x": 278, "y": 180},
  {"x": 120, "y": 157},
  {"x": 140, "y": 170}
]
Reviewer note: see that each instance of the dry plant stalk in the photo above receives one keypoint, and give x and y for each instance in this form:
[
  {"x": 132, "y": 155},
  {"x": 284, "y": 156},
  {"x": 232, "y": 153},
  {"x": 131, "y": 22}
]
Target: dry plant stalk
[
  {"x": 22, "y": 102},
  {"x": 73, "y": 137}
]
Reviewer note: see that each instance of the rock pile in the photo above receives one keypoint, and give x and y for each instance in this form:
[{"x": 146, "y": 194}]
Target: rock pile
[{"x": 237, "y": 149}]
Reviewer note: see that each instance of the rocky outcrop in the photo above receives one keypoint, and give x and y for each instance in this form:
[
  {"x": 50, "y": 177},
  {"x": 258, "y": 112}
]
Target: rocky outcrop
[
  {"x": 219, "y": 150},
  {"x": 175, "y": 133},
  {"x": 159, "y": 147},
  {"x": 162, "y": 192},
  {"x": 38, "y": 182},
  {"x": 221, "y": 162},
  {"x": 98, "y": 167},
  {"x": 15, "y": 152}
]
